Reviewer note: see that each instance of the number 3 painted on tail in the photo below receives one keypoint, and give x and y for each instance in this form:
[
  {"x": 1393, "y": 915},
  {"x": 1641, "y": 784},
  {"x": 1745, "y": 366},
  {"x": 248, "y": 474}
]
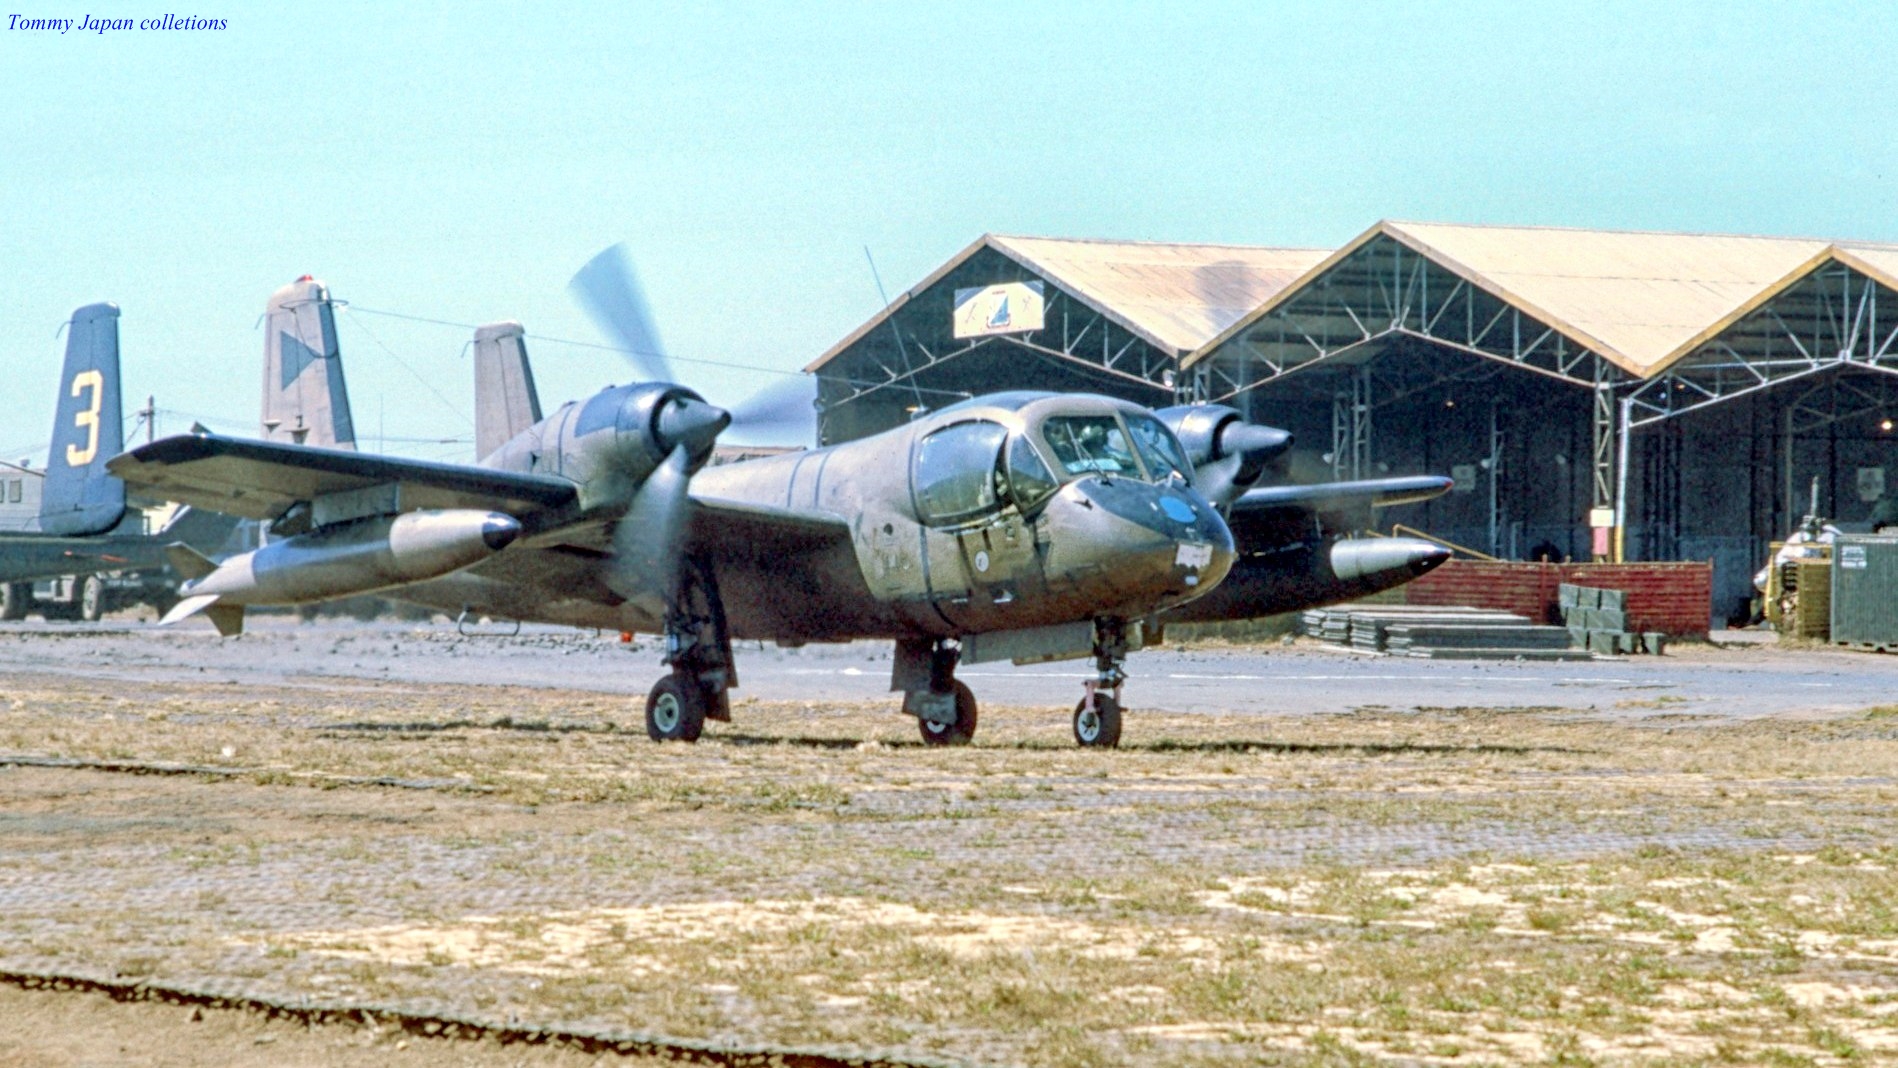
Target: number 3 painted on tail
[{"x": 88, "y": 418}]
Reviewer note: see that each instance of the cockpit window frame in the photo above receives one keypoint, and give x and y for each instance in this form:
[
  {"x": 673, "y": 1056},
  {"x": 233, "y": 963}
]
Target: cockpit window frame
[
  {"x": 1172, "y": 452},
  {"x": 1042, "y": 425},
  {"x": 995, "y": 477}
]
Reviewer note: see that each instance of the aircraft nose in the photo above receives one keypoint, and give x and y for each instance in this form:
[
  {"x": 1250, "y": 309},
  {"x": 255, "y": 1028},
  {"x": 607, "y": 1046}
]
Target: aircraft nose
[
  {"x": 691, "y": 423},
  {"x": 1166, "y": 541}
]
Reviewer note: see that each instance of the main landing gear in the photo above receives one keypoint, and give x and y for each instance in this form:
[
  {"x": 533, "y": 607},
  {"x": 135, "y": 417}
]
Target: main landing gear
[
  {"x": 943, "y": 706},
  {"x": 699, "y": 654},
  {"x": 1097, "y": 717},
  {"x": 924, "y": 670}
]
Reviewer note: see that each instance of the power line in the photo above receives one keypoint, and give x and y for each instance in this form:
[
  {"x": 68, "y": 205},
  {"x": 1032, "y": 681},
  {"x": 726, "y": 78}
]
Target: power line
[
  {"x": 426, "y": 384},
  {"x": 727, "y": 364}
]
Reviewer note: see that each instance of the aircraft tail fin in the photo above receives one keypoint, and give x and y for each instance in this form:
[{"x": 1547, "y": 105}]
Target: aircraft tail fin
[
  {"x": 505, "y": 400},
  {"x": 188, "y": 607},
  {"x": 189, "y": 563},
  {"x": 227, "y": 618},
  {"x": 80, "y": 498},
  {"x": 305, "y": 399}
]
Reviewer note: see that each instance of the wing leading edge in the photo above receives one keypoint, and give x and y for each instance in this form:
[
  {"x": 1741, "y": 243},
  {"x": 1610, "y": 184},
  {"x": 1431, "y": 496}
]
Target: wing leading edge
[
  {"x": 265, "y": 479},
  {"x": 1326, "y": 496}
]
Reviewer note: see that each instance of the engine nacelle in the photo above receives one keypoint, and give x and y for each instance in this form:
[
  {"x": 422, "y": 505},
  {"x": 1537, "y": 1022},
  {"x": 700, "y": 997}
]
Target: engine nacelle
[{"x": 1213, "y": 432}]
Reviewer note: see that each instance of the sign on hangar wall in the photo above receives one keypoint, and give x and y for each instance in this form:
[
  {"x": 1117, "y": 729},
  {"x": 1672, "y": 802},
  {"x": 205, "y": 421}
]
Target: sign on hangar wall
[{"x": 1007, "y": 308}]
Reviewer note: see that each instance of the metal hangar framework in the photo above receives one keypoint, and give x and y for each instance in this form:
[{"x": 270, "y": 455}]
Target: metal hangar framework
[
  {"x": 1597, "y": 393},
  {"x": 1117, "y": 318}
]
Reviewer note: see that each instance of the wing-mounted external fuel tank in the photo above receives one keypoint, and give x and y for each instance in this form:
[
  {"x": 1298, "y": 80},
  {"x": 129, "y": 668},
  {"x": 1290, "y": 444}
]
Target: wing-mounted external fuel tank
[
  {"x": 342, "y": 560},
  {"x": 305, "y": 400}
]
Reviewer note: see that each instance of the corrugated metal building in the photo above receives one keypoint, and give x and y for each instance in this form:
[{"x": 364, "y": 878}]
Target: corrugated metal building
[{"x": 1650, "y": 396}]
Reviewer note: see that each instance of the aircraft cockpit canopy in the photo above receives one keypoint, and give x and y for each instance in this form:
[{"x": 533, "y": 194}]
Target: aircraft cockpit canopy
[{"x": 966, "y": 470}]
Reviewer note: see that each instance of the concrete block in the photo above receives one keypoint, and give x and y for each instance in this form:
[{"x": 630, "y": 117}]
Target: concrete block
[
  {"x": 1601, "y": 641},
  {"x": 1613, "y": 599},
  {"x": 1654, "y": 642}
]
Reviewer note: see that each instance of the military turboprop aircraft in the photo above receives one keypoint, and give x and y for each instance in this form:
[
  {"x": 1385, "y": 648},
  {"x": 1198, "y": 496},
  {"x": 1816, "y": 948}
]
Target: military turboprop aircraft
[{"x": 1024, "y": 526}]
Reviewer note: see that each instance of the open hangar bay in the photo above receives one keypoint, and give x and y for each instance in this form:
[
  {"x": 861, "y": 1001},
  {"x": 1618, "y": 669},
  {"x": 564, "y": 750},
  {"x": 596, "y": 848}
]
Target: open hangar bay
[{"x": 1596, "y": 394}]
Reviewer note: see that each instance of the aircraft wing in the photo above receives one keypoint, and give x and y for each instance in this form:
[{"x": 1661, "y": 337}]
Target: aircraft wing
[
  {"x": 1330, "y": 496},
  {"x": 264, "y": 479},
  {"x": 738, "y": 529}
]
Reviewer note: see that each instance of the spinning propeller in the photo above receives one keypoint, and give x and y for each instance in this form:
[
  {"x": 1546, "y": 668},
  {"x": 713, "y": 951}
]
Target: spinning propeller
[
  {"x": 650, "y": 538},
  {"x": 609, "y": 290}
]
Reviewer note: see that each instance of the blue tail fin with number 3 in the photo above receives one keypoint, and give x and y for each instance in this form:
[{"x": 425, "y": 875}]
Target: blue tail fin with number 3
[{"x": 80, "y": 497}]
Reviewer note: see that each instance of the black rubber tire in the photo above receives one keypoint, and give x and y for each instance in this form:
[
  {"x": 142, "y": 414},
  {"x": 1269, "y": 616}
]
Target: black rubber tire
[
  {"x": 1102, "y": 729},
  {"x": 16, "y": 598},
  {"x": 91, "y": 599},
  {"x": 675, "y": 710},
  {"x": 962, "y": 731}
]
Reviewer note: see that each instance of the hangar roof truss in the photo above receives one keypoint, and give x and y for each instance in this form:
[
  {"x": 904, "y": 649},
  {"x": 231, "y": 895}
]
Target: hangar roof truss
[
  {"x": 1838, "y": 313},
  {"x": 1673, "y": 321},
  {"x": 1383, "y": 287}
]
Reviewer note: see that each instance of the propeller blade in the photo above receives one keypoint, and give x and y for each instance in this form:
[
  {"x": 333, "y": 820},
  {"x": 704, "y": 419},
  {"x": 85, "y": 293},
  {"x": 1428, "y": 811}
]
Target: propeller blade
[
  {"x": 787, "y": 407},
  {"x": 650, "y": 537},
  {"x": 1218, "y": 481},
  {"x": 609, "y": 291}
]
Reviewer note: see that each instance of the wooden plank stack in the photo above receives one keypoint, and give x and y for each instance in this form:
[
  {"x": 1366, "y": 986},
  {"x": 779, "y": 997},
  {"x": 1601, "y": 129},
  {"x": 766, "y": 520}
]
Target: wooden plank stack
[{"x": 1438, "y": 632}]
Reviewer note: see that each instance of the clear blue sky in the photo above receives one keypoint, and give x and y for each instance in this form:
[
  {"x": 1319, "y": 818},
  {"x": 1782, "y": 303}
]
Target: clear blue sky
[{"x": 461, "y": 161}]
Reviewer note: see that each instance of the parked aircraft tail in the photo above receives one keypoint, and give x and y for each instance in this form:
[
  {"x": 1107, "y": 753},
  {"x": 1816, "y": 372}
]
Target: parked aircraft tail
[
  {"x": 305, "y": 400},
  {"x": 79, "y": 497},
  {"x": 505, "y": 400}
]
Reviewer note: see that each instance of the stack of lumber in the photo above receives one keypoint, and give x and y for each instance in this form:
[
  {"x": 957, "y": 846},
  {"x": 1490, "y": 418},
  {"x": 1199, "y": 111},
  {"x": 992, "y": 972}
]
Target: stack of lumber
[{"x": 1438, "y": 632}]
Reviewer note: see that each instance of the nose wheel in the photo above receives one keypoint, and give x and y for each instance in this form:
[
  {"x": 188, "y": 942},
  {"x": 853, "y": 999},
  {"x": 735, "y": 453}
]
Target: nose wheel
[
  {"x": 1097, "y": 722},
  {"x": 1097, "y": 717}
]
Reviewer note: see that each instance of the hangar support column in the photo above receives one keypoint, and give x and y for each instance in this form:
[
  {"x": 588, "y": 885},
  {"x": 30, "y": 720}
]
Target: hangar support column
[{"x": 1351, "y": 426}]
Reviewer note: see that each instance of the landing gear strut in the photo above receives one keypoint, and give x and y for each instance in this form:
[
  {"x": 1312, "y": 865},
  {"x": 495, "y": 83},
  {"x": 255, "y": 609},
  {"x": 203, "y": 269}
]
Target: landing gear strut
[
  {"x": 943, "y": 706},
  {"x": 1097, "y": 717},
  {"x": 699, "y": 654}
]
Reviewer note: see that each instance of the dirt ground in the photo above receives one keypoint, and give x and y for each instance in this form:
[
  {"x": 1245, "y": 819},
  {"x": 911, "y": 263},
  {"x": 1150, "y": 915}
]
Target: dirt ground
[
  {"x": 48, "y": 1029},
  {"x": 1426, "y": 884}
]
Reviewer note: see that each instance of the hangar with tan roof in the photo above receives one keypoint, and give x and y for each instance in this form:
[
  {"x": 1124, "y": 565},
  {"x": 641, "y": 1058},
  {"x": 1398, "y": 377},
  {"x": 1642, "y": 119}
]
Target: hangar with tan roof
[{"x": 1640, "y": 396}]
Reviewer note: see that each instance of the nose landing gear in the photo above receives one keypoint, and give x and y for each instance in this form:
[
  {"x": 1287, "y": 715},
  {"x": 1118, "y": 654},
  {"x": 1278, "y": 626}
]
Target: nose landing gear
[{"x": 1097, "y": 717}]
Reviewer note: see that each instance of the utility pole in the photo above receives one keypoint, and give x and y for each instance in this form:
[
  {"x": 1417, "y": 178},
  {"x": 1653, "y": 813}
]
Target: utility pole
[{"x": 149, "y": 413}]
